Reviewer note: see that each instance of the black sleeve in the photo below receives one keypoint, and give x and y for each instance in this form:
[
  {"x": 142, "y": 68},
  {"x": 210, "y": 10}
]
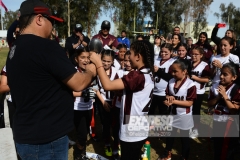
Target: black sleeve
[
  {"x": 163, "y": 75},
  {"x": 86, "y": 39},
  {"x": 68, "y": 45},
  {"x": 214, "y": 37},
  {"x": 10, "y": 32}
]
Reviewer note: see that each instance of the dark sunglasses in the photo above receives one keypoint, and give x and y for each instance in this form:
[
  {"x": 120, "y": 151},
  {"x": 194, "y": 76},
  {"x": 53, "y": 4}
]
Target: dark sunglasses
[
  {"x": 50, "y": 19},
  {"x": 105, "y": 28}
]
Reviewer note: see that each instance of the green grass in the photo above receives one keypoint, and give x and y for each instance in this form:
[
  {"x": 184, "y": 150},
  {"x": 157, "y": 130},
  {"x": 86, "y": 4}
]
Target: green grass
[{"x": 3, "y": 56}]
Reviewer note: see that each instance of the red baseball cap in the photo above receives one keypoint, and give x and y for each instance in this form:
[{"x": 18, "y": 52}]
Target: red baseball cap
[{"x": 29, "y": 7}]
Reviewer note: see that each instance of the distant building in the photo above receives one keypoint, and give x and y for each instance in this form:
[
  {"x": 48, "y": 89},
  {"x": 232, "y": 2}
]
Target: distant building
[{"x": 189, "y": 31}]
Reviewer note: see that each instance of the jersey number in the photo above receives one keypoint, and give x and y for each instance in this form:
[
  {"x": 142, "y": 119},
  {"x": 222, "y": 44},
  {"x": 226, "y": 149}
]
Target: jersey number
[{"x": 146, "y": 108}]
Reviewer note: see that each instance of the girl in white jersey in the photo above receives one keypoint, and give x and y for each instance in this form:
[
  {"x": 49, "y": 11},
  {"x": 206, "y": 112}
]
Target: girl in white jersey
[
  {"x": 106, "y": 97},
  {"x": 226, "y": 56},
  {"x": 200, "y": 74},
  {"x": 225, "y": 99},
  {"x": 182, "y": 52},
  {"x": 4, "y": 88},
  {"x": 162, "y": 76},
  {"x": 137, "y": 86},
  {"x": 180, "y": 94},
  {"x": 117, "y": 103},
  {"x": 118, "y": 61},
  {"x": 82, "y": 108}
]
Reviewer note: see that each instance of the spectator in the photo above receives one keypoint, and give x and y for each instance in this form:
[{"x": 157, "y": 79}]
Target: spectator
[
  {"x": 157, "y": 44},
  {"x": 12, "y": 30},
  {"x": 107, "y": 39},
  {"x": 189, "y": 45},
  {"x": 176, "y": 30},
  {"x": 203, "y": 43},
  {"x": 75, "y": 41},
  {"x": 124, "y": 39},
  {"x": 140, "y": 38}
]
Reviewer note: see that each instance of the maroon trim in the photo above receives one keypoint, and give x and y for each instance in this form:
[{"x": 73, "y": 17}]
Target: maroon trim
[
  {"x": 176, "y": 89},
  {"x": 162, "y": 62},
  {"x": 228, "y": 86},
  {"x": 196, "y": 65},
  {"x": 127, "y": 107}
]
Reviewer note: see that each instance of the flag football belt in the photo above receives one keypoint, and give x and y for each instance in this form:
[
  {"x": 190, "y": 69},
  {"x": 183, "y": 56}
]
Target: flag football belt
[{"x": 220, "y": 111}]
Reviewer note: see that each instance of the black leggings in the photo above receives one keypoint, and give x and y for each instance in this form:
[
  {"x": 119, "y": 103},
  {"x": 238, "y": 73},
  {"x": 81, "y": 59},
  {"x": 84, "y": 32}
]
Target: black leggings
[
  {"x": 197, "y": 103},
  {"x": 106, "y": 122},
  {"x": 82, "y": 120},
  {"x": 185, "y": 140},
  {"x": 116, "y": 126},
  {"x": 131, "y": 150},
  {"x": 157, "y": 101}
]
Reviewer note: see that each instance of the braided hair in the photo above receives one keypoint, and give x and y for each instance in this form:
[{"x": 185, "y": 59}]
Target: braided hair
[{"x": 145, "y": 48}]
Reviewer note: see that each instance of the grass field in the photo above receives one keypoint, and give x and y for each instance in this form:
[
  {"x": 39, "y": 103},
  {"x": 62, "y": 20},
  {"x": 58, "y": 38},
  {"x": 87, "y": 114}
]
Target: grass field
[
  {"x": 3, "y": 55},
  {"x": 201, "y": 148}
]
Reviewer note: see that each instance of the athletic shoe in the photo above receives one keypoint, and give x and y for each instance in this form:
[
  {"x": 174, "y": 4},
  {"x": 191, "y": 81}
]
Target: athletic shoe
[
  {"x": 119, "y": 150},
  {"x": 81, "y": 157},
  {"x": 108, "y": 151},
  {"x": 166, "y": 156},
  {"x": 71, "y": 143}
]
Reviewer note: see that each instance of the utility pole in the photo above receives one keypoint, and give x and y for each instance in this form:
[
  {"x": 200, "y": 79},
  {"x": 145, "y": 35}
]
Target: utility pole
[
  {"x": 68, "y": 1},
  {"x": 157, "y": 24}
]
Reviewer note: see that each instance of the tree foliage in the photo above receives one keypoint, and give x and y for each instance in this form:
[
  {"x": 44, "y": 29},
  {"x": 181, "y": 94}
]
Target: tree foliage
[
  {"x": 231, "y": 14},
  {"x": 8, "y": 18},
  {"x": 169, "y": 14},
  {"x": 195, "y": 11}
]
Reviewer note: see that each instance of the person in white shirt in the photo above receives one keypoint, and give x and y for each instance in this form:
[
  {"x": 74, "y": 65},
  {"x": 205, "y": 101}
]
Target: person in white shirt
[
  {"x": 180, "y": 94},
  {"x": 157, "y": 44},
  {"x": 226, "y": 56},
  {"x": 138, "y": 86},
  {"x": 162, "y": 76},
  {"x": 200, "y": 74},
  {"x": 83, "y": 106}
]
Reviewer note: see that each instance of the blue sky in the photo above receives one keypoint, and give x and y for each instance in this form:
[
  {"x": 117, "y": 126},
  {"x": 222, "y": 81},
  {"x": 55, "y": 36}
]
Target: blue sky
[{"x": 212, "y": 20}]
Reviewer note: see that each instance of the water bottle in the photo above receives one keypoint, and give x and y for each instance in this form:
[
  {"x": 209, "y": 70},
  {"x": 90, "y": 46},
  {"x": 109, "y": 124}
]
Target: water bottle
[{"x": 147, "y": 146}]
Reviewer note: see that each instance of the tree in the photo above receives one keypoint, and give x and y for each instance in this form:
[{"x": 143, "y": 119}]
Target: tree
[
  {"x": 231, "y": 15},
  {"x": 169, "y": 14},
  {"x": 81, "y": 11},
  {"x": 195, "y": 11},
  {"x": 9, "y": 18}
]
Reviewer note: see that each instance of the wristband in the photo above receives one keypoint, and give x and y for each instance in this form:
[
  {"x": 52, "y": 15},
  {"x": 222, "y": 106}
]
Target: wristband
[{"x": 99, "y": 67}]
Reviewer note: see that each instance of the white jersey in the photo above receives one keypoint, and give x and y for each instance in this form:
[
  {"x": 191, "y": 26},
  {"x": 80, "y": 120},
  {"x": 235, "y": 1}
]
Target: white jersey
[
  {"x": 161, "y": 84},
  {"x": 156, "y": 52},
  {"x": 223, "y": 60},
  {"x": 214, "y": 93},
  {"x": 201, "y": 70},
  {"x": 186, "y": 91},
  {"x": 108, "y": 95},
  {"x": 79, "y": 103},
  {"x": 121, "y": 73},
  {"x": 117, "y": 64},
  {"x": 136, "y": 100}
]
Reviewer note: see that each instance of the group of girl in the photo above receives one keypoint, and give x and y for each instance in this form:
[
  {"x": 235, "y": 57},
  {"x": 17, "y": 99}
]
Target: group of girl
[{"x": 176, "y": 82}]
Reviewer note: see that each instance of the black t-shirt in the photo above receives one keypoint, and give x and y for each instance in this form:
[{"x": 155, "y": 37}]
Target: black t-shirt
[{"x": 44, "y": 104}]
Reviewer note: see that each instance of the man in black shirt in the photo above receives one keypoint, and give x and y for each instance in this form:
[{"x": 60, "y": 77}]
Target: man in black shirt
[
  {"x": 41, "y": 80},
  {"x": 76, "y": 41}
]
